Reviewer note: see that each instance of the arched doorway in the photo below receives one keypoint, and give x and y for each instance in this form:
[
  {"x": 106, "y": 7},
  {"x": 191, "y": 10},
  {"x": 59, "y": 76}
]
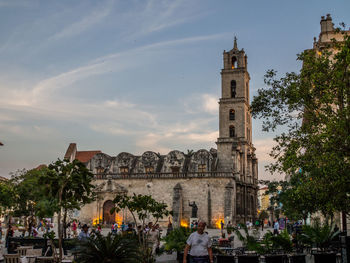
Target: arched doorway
[{"x": 108, "y": 218}]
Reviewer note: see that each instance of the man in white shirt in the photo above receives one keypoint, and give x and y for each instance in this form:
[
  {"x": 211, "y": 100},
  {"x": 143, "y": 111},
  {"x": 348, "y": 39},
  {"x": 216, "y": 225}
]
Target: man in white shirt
[{"x": 200, "y": 245}]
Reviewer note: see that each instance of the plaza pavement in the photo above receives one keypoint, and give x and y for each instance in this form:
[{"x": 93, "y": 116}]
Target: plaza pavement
[{"x": 169, "y": 258}]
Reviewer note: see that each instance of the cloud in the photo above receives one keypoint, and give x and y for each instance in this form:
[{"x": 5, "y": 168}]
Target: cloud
[
  {"x": 15, "y": 3},
  {"x": 210, "y": 104},
  {"x": 151, "y": 142},
  {"x": 84, "y": 24},
  {"x": 203, "y": 137},
  {"x": 41, "y": 92},
  {"x": 157, "y": 15},
  {"x": 263, "y": 148},
  {"x": 202, "y": 103}
]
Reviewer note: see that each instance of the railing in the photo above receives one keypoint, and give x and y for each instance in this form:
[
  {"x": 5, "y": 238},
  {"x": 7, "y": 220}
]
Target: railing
[
  {"x": 165, "y": 175},
  {"x": 238, "y": 178}
]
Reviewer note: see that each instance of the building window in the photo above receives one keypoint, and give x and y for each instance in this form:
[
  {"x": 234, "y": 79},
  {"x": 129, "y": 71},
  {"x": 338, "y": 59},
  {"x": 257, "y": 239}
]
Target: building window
[
  {"x": 149, "y": 169},
  {"x": 124, "y": 170},
  {"x": 232, "y": 131},
  {"x": 233, "y": 89},
  {"x": 232, "y": 115},
  {"x": 202, "y": 168},
  {"x": 239, "y": 203},
  {"x": 99, "y": 172},
  {"x": 252, "y": 205},
  {"x": 234, "y": 62},
  {"x": 248, "y": 119}
]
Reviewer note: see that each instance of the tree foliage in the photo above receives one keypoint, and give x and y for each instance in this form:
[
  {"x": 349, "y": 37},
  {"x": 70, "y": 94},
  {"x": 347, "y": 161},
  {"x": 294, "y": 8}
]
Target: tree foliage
[
  {"x": 68, "y": 185},
  {"x": 141, "y": 207},
  {"x": 263, "y": 215},
  {"x": 7, "y": 196},
  {"x": 313, "y": 109}
]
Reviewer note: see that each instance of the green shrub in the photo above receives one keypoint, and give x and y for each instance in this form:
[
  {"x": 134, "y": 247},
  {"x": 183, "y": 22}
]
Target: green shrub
[
  {"x": 176, "y": 240},
  {"x": 318, "y": 235},
  {"x": 111, "y": 249}
]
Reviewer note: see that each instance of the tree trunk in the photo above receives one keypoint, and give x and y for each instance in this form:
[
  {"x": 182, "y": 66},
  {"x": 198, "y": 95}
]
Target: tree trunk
[
  {"x": 29, "y": 226},
  {"x": 59, "y": 224},
  {"x": 343, "y": 215},
  {"x": 65, "y": 223},
  {"x": 59, "y": 235}
]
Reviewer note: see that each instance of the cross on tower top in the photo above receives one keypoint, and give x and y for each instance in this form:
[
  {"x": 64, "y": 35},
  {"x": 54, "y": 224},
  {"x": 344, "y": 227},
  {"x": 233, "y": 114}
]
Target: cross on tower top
[{"x": 235, "y": 43}]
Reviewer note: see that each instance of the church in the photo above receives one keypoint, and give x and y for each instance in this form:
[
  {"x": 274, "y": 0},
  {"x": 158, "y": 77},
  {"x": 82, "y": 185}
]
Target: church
[{"x": 222, "y": 182}]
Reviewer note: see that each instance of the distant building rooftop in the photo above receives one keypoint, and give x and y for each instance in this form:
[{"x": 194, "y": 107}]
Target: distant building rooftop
[{"x": 85, "y": 156}]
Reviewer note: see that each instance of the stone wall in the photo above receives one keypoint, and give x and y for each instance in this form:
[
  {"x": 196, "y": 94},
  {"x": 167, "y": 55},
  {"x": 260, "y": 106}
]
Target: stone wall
[{"x": 210, "y": 194}]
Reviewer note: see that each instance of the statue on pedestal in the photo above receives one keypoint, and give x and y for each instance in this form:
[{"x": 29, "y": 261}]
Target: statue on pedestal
[{"x": 194, "y": 209}]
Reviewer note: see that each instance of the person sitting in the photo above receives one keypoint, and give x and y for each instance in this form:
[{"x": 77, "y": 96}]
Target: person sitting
[
  {"x": 84, "y": 234},
  {"x": 130, "y": 231},
  {"x": 223, "y": 241}
]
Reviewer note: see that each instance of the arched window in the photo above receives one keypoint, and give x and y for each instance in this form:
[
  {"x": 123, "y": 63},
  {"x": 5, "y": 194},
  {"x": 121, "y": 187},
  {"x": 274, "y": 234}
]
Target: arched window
[
  {"x": 232, "y": 131},
  {"x": 234, "y": 62},
  {"x": 233, "y": 89},
  {"x": 232, "y": 115}
]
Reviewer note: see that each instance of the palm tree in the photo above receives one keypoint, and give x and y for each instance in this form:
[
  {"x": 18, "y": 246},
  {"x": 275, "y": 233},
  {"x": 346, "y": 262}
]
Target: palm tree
[{"x": 110, "y": 249}]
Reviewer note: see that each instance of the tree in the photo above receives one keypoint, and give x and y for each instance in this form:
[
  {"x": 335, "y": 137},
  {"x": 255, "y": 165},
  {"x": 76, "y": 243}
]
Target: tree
[
  {"x": 313, "y": 107},
  {"x": 263, "y": 215},
  {"x": 68, "y": 186},
  {"x": 7, "y": 196},
  {"x": 141, "y": 207},
  {"x": 28, "y": 197},
  {"x": 296, "y": 197}
]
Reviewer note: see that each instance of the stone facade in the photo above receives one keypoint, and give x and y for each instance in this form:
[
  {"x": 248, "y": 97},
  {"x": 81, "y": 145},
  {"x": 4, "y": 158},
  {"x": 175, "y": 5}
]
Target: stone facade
[{"x": 222, "y": 182}]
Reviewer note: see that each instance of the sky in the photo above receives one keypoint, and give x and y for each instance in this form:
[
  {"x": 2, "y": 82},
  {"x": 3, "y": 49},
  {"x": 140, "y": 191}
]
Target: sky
[{"x": 137, "y": 75}]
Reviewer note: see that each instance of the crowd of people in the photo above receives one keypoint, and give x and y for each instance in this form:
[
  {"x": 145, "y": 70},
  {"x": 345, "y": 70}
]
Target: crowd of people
[{"x": 198, "y": 244}]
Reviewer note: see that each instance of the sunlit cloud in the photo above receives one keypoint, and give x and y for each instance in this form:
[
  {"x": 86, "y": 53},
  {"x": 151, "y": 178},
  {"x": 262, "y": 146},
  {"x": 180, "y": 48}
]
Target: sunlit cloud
[
  {"x": 199, "y": 103},
  {"x": 263, "y": 149}
]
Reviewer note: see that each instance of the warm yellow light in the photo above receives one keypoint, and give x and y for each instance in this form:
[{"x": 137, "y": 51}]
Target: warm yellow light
[
  {"x": 184, "y": 223},
  {"x": 96, "y": 221},
  {"x": 218, "y": 223},
  {"x": 118, "y": 219},
  {"x": 233, "y": 67}
]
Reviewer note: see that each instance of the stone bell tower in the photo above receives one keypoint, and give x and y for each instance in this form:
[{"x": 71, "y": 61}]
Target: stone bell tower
[
  {"x": 236, "y": 153},
  {"x": 234, "y": 117}
]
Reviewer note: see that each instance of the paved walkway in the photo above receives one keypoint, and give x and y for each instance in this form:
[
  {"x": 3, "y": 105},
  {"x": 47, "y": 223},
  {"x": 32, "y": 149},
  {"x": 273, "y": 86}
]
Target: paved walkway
[{"x": 171, "y": 258}]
